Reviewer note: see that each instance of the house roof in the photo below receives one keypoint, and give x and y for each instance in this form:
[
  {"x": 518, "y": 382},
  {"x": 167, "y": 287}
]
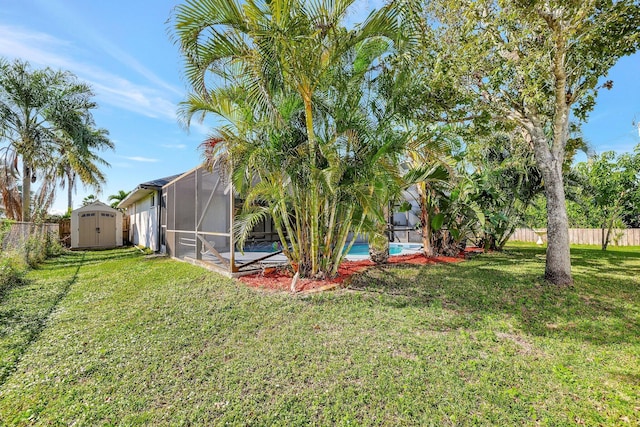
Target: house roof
[
  {"x": 159, "y": 183},
  {"x": 144, "y": 189}
]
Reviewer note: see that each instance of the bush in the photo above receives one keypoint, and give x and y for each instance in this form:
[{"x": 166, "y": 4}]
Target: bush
[
  {"x": 39, "y": 247},
  {"x": 12, "y": 270}
]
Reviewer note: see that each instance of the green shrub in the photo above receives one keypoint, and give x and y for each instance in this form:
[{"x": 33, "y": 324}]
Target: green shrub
[
  {"x": 12, "y": 270},
  {"x": 35, "y": 250},
  {"x": 54, "y": 248},
  {"x": 40, "y": 246}
]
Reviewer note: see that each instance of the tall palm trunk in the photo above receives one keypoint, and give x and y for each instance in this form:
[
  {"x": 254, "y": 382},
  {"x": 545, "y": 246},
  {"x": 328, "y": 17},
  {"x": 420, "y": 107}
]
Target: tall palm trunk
[
  {"x": 26, "y": 191},
  {"x": 71, "y": 178},
  {"x": 314, "y": 196}
]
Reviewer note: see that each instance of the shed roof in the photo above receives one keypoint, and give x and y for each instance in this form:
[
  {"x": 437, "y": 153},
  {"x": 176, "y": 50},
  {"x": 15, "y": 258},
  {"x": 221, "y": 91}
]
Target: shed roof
[{"x": 96, "y": 206}]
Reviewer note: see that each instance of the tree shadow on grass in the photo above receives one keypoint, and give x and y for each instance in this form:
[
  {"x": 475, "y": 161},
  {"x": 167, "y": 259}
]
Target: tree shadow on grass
[
  {"x": 34, "y": 324},
  {"x": 595, "y": 309},
  {"x": 74, "y": 258},
  {"x": 15, "y": 282}
]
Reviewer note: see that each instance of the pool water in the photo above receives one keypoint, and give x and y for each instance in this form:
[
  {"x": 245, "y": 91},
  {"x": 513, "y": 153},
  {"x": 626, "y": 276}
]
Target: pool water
[
  {"x": 357, "y": 249},
  {"x": 363, "y": 249}
]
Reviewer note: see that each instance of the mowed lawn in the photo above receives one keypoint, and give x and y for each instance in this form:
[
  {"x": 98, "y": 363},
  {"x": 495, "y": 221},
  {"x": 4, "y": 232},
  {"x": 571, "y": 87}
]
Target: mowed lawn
[{"x": 116, "y": 338}]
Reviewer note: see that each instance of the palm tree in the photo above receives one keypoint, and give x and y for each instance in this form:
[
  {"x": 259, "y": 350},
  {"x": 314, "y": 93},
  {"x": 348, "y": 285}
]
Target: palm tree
[
  {"x": 91, "y": 198},
  {"x": 78, "y": 158},
  {"x": 34, "y": 105},
  {"x": 280, "y": 69},
  {"x": 115, "y": 199}
]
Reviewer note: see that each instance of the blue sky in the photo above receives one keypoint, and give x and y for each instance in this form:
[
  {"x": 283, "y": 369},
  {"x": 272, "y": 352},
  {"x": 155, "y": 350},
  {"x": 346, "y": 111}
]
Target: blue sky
[{"x": 123, "y": 49}]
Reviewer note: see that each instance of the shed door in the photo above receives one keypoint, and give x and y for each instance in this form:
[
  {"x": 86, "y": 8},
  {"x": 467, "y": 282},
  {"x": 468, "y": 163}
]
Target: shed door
[
  {"x": 107, "y": 229},
  {"x": 88, "y": 229},
  {"x": 97, "y": 229}
]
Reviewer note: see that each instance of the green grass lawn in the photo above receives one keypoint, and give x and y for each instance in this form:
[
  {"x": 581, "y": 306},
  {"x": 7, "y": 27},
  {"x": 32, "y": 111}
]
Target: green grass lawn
[{"x": 115, "y": 338}]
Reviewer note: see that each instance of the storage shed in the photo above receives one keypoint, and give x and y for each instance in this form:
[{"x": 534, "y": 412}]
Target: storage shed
[{"x": 96, "y": 226}]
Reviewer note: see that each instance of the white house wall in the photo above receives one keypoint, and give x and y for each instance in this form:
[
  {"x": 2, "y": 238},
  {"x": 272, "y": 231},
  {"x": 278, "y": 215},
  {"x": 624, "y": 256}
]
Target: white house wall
[{"x": 144, "y": 222}]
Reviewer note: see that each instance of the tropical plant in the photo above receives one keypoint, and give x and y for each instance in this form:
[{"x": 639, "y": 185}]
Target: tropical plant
[
  {"x": 77, "y": 157},
  {"x": 506, "y": 180},
  {"x": 10, "y": 192},
  {"x": 301, "y": 141},
  {"x": 431, "y": 180},
  {"x": 91, "y": 198},
  {"x": 115, "y": 199},
  {"x": 427, "y": 110}
]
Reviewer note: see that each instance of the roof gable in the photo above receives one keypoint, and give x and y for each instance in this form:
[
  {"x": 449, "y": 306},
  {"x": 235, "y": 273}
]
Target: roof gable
[{"x": 96, "y": 206}]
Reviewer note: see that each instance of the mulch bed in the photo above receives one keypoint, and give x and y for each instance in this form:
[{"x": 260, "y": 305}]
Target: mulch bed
[{"x": 279, "y": 279}]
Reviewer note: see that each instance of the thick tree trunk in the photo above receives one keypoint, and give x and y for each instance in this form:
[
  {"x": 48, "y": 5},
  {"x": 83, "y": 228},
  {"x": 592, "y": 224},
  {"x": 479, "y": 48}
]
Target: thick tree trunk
[
  {"x": 558, "y": 263},
  {"x": 26, "y": 192}
]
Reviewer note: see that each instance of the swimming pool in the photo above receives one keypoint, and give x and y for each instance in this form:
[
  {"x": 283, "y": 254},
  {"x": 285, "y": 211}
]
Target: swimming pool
[
  {"x": 363, "y": 249},
  {"x": 358, "y": 250}
]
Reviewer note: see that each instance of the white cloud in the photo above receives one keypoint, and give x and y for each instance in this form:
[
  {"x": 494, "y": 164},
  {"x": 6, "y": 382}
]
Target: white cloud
[
  {"x": 122, "y": 165},
  {"x": 44, "y": 50},
  {"x": 174, "y": 146},
  {"x": 142, "y": 159},
  {"x": 200, "y": 128},
  {"x": 64, "y": 12}
]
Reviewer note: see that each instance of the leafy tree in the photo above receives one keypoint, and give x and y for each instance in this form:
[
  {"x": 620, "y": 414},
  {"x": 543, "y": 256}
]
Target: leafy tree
[
  {"x": 37, "y": 108},
  {"x": 425, "y": 103},
  {"x": 301, "y": 140},
  {"x": 611, "y": 186},
  {"x": 536, "y": 63}
]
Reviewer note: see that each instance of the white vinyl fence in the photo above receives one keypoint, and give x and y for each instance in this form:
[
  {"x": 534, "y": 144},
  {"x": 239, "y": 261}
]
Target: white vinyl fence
[{"x": 582, "y": 236}]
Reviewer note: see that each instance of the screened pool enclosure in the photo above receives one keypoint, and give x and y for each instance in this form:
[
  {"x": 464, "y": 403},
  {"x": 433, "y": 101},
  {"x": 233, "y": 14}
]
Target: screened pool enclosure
[{"x": 196, "y": 220}]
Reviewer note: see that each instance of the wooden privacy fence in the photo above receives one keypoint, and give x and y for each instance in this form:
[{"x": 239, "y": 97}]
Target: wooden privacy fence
[
  {"x": 125, "y": 229},
  {"x": 64, "y": 228},
  {"x": 583, "y": 236}
]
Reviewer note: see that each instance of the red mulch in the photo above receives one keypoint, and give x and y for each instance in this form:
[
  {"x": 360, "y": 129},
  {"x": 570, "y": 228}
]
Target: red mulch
[{"x": 277, "y": 279}]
